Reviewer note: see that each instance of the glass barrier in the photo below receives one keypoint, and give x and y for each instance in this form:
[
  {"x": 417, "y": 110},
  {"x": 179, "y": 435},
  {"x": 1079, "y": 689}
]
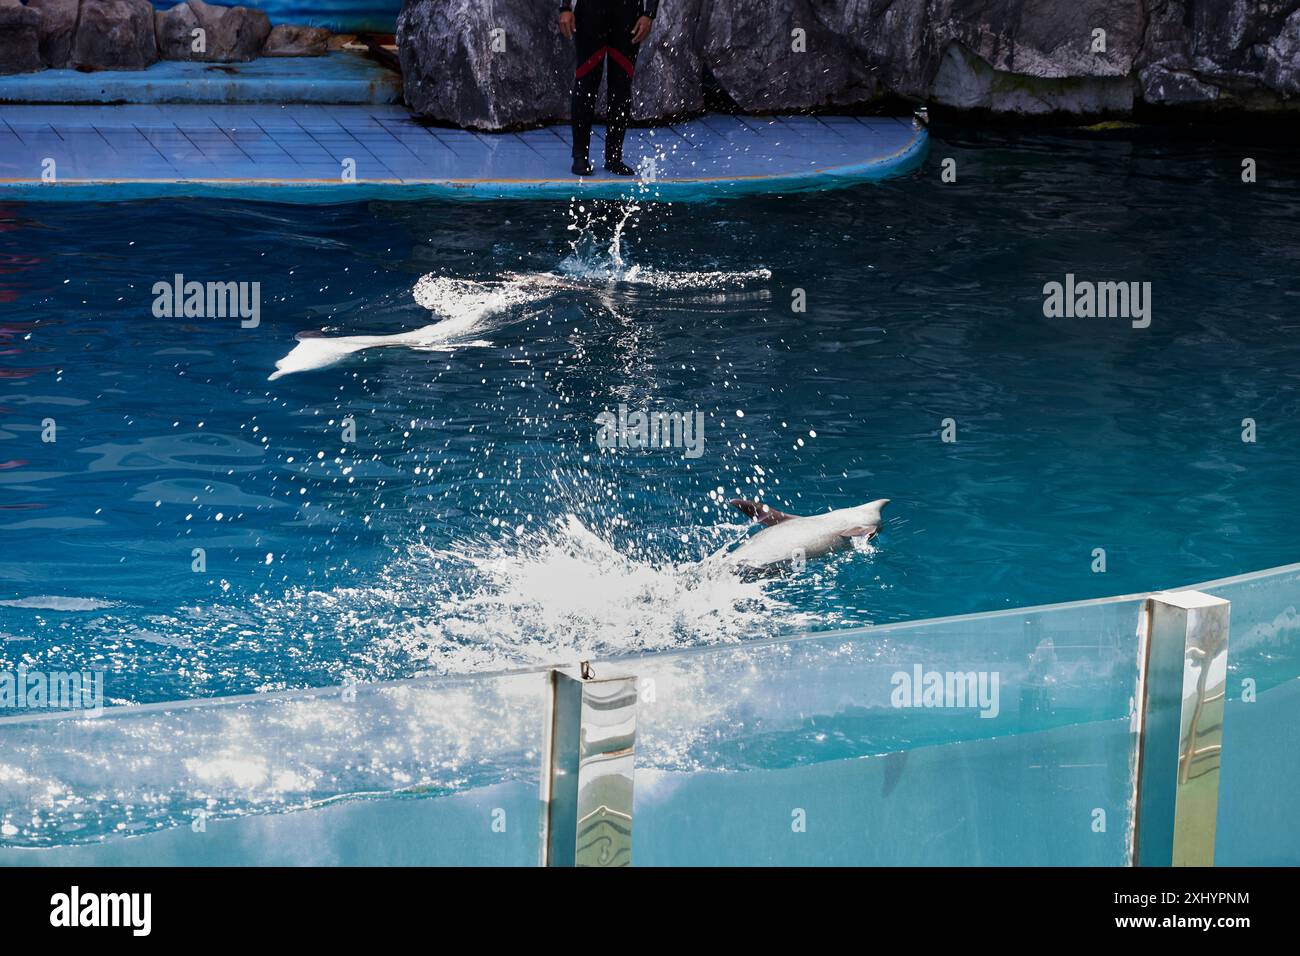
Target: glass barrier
[
  {"x": 419, "y": 772},
  {"x": 994, "y": 739},
  {"x": 990, "y": 739},
  {"x": 1259, "y": 774}
]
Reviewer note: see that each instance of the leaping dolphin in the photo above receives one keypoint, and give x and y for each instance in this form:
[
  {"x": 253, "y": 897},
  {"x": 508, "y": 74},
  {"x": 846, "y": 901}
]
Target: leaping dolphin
[{"x": 786, "y": 538}]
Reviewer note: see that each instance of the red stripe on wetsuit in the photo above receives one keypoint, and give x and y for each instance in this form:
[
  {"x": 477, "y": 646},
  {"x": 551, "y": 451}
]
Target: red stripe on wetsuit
[{"x": 594, "y": 61}]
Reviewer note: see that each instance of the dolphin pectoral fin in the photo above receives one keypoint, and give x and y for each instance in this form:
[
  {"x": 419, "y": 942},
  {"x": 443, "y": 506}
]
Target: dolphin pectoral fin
[
  {"x": 870, "y": 532},
  {"x": 763, "y": 514},
  {"x": 893, "y": 765}
]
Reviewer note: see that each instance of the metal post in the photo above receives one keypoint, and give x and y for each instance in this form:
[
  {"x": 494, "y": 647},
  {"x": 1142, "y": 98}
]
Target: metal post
[
  {"x": 588, "y": 786},
  {"x": 1181, "y": 702}
]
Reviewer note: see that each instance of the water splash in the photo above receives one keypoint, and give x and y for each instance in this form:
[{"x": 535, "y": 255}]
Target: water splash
[
  {"x": 586, "y": 585},
  {"x": 563, "y": 592},
  {"x": 590, "y": 257},
  {"x": 518, "y": 596},
  {"x": 595, "y": 262}
]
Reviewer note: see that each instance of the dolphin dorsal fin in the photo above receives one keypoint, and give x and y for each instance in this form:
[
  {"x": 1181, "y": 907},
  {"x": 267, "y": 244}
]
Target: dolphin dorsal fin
[{"x": 765, "y": 515}]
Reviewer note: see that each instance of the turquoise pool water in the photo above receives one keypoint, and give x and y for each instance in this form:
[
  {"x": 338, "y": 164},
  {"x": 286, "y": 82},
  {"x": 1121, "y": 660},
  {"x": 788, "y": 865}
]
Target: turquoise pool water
[{"x": 474, "y": 523}]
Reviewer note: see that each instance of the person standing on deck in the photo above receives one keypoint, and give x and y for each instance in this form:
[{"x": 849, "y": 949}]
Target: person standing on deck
[{"x": 608, "y": 34}]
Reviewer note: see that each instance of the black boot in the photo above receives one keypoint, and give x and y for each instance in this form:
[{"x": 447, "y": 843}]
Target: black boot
[
  {"x": 619, "y": 168},
  {"x": 582, "y": 166}
]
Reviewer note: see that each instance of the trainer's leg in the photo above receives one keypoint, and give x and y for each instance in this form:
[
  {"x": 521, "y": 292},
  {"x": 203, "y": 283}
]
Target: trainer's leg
[
  {"x": 589, "y": 42},
  {"x": 622, "y": 66}
]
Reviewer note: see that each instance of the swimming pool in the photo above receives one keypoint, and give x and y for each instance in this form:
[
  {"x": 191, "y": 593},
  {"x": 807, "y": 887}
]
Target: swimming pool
[
  {"x": 447, "y": 509},
  {"x": 475, "y": 484}
]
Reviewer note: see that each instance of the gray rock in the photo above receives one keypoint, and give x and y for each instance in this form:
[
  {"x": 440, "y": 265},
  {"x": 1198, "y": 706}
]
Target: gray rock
[
  {"x": 58, "y": 23},
  {"x": 966, "y": 81},
  {"x": 669, "y": 70},
  {"x": 293, "y": 39},
  {"x": 230, "y": 34},
  {"x": 781, "y": 55},
  {"x": 484, "y": 66},
  {"x": 234, "y": 34},
  {"x": 1165, "y": 73},
  {"x": 1228, "y": 52},
  {"x": 1016, "y": 56},
  {"x": 1043, "y": 39},
  {"x": 114, "y": 35},
  {"x": 1168, "y": 87},
  {"x": 174, "y": 30},
  {"x": 1084, "y": 95},
  {"x": 905, "y": 42},
  {"x": 1282, "y": 58},
  {"x": 1229, "y": 37},
  {"x": 891, "y": 37},
  {"x": 20, "y": 39},
  {"x": 1168, "y": 36}
]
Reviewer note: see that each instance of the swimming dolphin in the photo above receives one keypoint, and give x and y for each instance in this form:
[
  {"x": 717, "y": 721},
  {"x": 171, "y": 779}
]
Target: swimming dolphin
[
  {"x": 469, "y": 309},
  {"x": 785, "y": 538}
]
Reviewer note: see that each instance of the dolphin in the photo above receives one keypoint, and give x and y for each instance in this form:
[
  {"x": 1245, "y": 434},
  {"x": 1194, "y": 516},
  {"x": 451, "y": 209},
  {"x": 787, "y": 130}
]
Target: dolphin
[
  {"x": 785, "y": 538},
  {"x": 469, "y": 307}
]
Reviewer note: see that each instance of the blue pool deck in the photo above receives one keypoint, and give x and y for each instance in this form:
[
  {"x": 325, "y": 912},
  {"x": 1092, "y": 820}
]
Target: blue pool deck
[{"x": 322, "y": 153}]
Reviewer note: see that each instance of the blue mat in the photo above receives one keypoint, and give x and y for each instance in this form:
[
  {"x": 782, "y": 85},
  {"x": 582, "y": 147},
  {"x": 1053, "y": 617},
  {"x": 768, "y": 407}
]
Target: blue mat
[{"x": 304, "y": 153}]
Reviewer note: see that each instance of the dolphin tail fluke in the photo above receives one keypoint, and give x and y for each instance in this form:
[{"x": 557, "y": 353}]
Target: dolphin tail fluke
[
  {"x": 314, "y": 351},
  {"x": 763, "y": 514}
]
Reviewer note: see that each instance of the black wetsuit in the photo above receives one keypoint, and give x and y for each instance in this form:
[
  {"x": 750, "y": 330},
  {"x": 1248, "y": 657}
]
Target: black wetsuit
[{"x": 604, "y": 45}]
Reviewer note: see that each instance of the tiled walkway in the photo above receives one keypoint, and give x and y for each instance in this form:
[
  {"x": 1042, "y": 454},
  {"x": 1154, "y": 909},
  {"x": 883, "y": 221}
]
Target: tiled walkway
[{"x": 320, "y": 153}]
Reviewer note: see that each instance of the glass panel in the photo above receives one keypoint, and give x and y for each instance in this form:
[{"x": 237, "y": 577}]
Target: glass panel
[
  {"x": 993, "y": 739},
  {"x": 1260, "y": 775},
  {"x": 321, "y": 777},
  {"x": 815, "y": 751}
]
